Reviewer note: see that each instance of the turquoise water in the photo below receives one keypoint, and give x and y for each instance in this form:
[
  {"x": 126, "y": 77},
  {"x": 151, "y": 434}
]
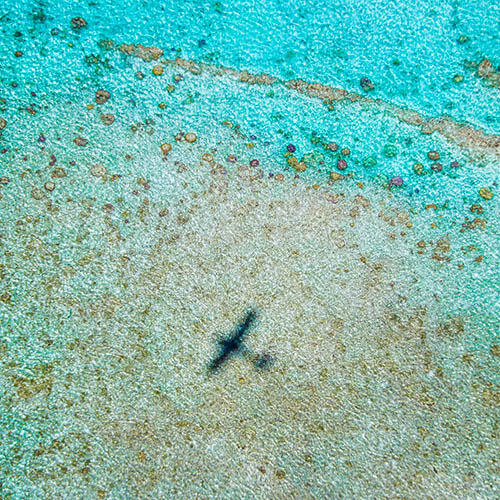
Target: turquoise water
[{"x": 121, "y": 267}]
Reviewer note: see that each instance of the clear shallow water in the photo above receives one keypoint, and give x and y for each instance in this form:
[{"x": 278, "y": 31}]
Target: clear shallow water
[
  {"x": 411, "y": 54},
  {"x": 377, "y": 302}
]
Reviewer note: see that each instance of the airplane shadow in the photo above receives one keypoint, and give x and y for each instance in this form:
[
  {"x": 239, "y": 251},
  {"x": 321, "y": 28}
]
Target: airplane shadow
[{"x": 233, "y": 345}]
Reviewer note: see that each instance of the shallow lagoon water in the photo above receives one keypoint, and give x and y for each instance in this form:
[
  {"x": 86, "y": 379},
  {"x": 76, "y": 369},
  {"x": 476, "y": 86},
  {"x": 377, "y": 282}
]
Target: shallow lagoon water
[{"x": 377, "y": 302}]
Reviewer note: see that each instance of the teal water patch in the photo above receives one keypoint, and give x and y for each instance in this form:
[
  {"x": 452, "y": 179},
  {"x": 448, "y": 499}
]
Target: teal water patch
[
  {"x": 411, "y": 54},
  {"x": 142, "y": 213}
]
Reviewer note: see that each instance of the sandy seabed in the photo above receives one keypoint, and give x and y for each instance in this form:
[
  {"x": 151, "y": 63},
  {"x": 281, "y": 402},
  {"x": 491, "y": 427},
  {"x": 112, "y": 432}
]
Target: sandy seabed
[{"x": 371, "y": 388}]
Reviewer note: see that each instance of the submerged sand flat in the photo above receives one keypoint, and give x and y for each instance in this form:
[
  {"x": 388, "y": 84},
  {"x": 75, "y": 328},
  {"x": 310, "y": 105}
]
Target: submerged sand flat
[{"x": 368, "y": 373}]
